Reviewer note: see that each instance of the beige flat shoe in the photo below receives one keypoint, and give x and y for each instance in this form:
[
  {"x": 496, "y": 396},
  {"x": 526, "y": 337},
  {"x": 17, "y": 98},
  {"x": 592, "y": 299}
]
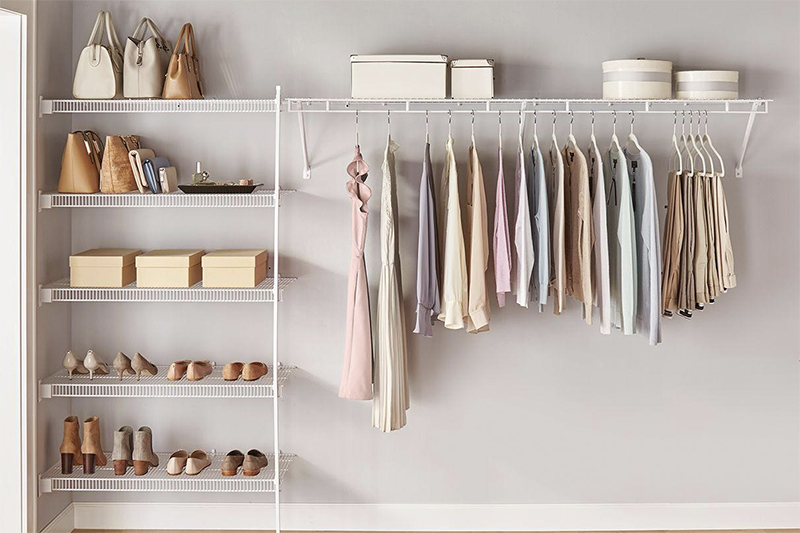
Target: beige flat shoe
[
  {"x": 232, "y": 371},
  {"x": 177, "y": 462},
  {"x": 232, "y": 462},
  {"x": 198, "y": 370},
  {"x": 140, "y": 364},
  {"x": 177, "y": 370},
  {"x": 73, "y": 364},
  {"x": 122, "y": 364},
  {"x": 197, "y": 462},
  {"x": 253, "y": 463},
  {"x": 253, "y": 371}
]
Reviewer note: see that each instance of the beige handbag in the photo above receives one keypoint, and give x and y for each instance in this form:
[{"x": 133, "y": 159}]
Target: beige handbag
[
  {"x": 183, "y": 74},
  {"x": 80, "y": 163},
  {"x": 99, "y": 70},
  {"x": 145, "y": 62},
  {"x": 117, "y": 173}
]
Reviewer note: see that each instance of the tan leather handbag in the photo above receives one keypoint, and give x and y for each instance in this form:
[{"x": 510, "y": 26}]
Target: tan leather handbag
[
  {"x": 80, "y": 163},
  {"x": 117, "y": 173},
  {"x": 183, "y": 74}
]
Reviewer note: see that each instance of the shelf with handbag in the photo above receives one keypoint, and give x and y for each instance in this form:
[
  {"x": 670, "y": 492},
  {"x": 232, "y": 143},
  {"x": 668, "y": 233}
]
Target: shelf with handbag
[
  {"x": 259, "y": 198},
  {"x": 69, "y": 106}
]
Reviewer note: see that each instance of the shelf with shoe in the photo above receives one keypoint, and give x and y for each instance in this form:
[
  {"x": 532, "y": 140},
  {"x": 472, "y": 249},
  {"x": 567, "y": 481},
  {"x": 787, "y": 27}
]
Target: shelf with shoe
[
  {"x": 71, "y": 106},
  {"x": 260, "y": 198}
]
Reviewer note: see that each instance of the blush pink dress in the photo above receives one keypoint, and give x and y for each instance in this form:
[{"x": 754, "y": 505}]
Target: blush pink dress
[{"x": 357, "y": 369}]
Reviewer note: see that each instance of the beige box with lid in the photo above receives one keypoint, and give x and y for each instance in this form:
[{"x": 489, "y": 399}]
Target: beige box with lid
[
  {"x": 169, "y": 268},
  {"x": 234, "y": 268},
  {"x": 103, "y": 267}
]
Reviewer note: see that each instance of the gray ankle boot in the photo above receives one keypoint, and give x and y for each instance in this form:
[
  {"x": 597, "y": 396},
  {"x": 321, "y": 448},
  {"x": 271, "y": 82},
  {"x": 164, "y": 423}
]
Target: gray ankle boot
[
  {"x": 121, "y": 455},
  {"x": 143, "y": 456}
]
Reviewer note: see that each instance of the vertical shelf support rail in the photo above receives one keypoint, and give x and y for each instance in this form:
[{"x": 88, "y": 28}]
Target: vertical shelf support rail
[{"x": 275, "y": 308}]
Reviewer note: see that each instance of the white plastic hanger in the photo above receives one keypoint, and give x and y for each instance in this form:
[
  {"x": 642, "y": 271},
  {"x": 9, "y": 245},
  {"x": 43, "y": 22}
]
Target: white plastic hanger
[
  {"x": 449, "y": 124},
  {"x": 614, "y": 140},
  {"x": 592, "y": 138},
  {"x": 706, "y": 154},
  {"x": 500, "y": 129},
  {"x": 571, "y": 142},
  {"x": 693, "y": 144},
  {"x": 473, "y": 126},
  {"x": 535, "y": 143},
  {"x": 427, "y": 129},
  {"x": 707, "y": 142},
  {"x": 632, "y": 138},
  {"x": 389, "y": 123},
  {"x": 686, "y": 151},
  {"x": 554, "y": 144},
  {"x": 675, "y": 154}
]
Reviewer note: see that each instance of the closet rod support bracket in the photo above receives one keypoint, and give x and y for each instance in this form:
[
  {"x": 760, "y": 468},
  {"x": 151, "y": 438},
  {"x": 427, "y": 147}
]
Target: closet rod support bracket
[
  {"x": 739, "y": 172},
  {"x": 304, "y": 144}
]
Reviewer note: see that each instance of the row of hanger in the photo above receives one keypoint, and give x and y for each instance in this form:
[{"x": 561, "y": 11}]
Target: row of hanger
[{"x": 693, "y": 147}]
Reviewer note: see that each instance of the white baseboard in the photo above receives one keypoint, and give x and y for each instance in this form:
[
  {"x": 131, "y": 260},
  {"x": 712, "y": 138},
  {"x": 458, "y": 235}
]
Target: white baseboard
[
  {"x": 402, "y": 517},
  {"x": 63, "y": 523}
]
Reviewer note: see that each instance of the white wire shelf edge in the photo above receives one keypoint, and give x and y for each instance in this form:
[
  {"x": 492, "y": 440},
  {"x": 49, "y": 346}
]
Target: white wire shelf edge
[
  {"x": 61, "y": 291},
  {"x": 59, "y": 385},
  {"x": 157, "y": 479},
  {"x": 260, "y": 198},
  {"x": 48, "y": 107}
]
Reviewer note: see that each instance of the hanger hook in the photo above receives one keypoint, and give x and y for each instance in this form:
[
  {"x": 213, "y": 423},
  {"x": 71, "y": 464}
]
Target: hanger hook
[
  {"x": 500, "y": 118},
  {"x": 614, "y": 125},
  {"x": 520, "y": 117},
  {"x": 357, "y": 143},
  {"x": 449, "y": 117},
  {"x": 633, "y": 119},
  {"x": 473, "y": 116},
  {"x": 389, "y": 118},
  {"x": 706, "y": 112}
]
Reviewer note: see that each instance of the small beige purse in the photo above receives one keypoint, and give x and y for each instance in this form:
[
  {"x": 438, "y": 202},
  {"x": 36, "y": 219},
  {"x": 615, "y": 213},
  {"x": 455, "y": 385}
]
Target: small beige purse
[
  {"x": 183, "y": 74},
  {"x": 136, "y": 157},
  {"x": 117, "y": 172}
]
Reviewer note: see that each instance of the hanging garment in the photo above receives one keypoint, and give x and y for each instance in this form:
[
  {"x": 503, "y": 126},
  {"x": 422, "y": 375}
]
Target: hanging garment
[
  {"x": 711, "y": 236},
  {"x": 523, "y": 239},
  {"x": 478, "y": 239},
  {"x": 700, "y": 242},
  {"x": 673, "y": 243},
  {"x": 356, "y": 383},
  {"x": 454, "y": 287},
  {"x": 601, "y": 283},
  {"x": 391, "y": 364},
  {"x": 621, "y": 242},
  {"x": 686, "y": 292},
  {"x": 541, "y": 228},
  {"x": 501, "y": 241},
  {"x": 556, "y": 192},
  {"x": 727, "y": 276},
  {"x": 427, "y": 253},
  {"x": 578, "y": 228},
  {"x": 648, "y": 247}
]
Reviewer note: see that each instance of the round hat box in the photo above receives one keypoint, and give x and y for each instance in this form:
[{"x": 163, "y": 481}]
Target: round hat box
[
  {"x": 637, "y": 79},
  {"x": 707, "y": 85}
]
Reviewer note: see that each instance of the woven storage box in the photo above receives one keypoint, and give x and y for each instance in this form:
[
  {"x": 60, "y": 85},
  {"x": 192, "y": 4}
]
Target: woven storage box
[
  {"x": 398, "y": 76},
  {"x": 103, "y": 267},
  {"x": 234, "y": 268},
  {"x": 472, "y": 78},
  {"x": 634, "y": 79},
  {"x": 707, "y": 85},
  {"x": 169, "y": 268}
]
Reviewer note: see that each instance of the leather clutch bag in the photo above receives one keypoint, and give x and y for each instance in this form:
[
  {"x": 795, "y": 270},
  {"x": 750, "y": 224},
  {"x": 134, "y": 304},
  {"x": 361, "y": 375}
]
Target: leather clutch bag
[
  {"x": 151, "y": 167},
  {"x": 169, "y": 179},
  {"x": 136, "y": 157}
]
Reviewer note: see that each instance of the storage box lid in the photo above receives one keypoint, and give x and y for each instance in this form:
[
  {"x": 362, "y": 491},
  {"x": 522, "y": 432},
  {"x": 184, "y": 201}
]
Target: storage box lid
[
  {"x": 472, "y": 63},
  {"x": 234, "y": 258},
  {"x": 104, "y": 257},
  {"x": 169, "y": 258},
  {"x": 400, "y": 58},
  {"x": 707, "y": 75},
  {"x": 637, "y": 65}
]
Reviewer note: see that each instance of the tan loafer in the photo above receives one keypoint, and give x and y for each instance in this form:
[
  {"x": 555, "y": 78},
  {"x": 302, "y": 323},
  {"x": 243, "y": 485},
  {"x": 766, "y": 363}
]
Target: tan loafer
[
  {"x": 253, "y": 371},
  {"x": 198, "y": 370},
  {"x": 232, "y": 371},
  {"x": 232, "y": 462},
  {"x": 177, "y": 370},
  {"x": 177, "y": 462},
  {"x": 253, "y": 463},
  {"x": 197, "y": 462}
]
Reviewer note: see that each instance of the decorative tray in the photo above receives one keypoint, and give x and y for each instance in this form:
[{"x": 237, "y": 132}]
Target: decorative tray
[{"x": 219, "y": 189}]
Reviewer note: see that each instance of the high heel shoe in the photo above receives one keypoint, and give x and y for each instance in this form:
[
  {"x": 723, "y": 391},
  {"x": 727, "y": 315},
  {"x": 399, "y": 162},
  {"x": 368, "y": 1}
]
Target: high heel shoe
[
  {"x": 198, "y": 370},
  {"x": 122, "y": 455},
  {"x": 94, "y": 364},
  {"x": 177, "y": 370},
  {"x": 92, "y": 448},
  {"x": 140, "y": 364},
  {"x": 122, "y": 364},
  {"x": 70, "y": 445},
  {"x": 73, "y": 364},
  {"x": 143, "y": 456}
]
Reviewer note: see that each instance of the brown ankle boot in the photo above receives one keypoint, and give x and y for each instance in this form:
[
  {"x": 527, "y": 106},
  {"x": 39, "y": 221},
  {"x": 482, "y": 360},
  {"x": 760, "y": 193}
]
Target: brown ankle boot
[
  {"x": 70, "y": 445},
  {"x": 92, "y": 448}
]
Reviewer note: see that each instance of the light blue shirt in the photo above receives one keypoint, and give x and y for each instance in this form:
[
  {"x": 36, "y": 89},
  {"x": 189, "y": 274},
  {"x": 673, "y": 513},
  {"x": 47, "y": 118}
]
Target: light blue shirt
[{"x": 541, "y": 227}]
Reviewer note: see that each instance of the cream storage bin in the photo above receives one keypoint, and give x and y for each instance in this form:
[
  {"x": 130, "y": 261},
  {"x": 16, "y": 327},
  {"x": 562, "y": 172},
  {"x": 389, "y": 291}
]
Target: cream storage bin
[
  {"x": 634, "y": 79},
  {"x": 103, "y": 267},
  {"x": 169, "y": 268},
  {"x": 234, "y": 268},
  {"x": 472, "y": 78},
  {"x": 707, "y": 85},
  {"x": 398, "y": 76}
]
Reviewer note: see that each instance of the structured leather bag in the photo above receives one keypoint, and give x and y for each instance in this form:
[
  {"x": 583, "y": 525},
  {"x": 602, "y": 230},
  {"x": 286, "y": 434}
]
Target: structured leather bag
[
  {"x": 80, "y": 163},
  {"x": 117, "y": 174},
  {"x": 99, "y": 70},
  {"x": 146, "y": 62},
  {"x": 183, "y": 74},
  {"x": 136, "y": 157},
  {"x": 151, "y": 172}
]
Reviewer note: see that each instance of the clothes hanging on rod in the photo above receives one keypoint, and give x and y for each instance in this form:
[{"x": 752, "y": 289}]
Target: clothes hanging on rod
[
  {"x": 501, "y": 241},
  {"x": 454, "y": 285},
  {"x": 523, "y": 239},
  {"x": 556, "y": 192},
  {"x": 478, "y": 239},
  {"x": 673, "y": 244},
  {"x": 578, "y": 227},
  {"x": 726, "y": 265},
  {"x": 356, "y": 382},
  {"x": 391, "y": 364},
  {"x": 601, "y": 282},
  {"x": 541, "y": 227},
  {"x": 427, "y": 252}
]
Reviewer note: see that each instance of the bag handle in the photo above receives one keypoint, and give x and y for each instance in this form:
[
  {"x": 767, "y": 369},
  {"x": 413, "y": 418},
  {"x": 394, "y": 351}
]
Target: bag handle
[
  {"x": 160, "y": 39},
  {"x": 113, "y": 39},
  {"x": 96, "y": 37}
]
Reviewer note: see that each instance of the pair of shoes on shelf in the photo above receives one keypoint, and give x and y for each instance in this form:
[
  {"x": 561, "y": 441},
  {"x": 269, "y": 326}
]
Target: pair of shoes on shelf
[
  {"x": 133, "y": 448},
  {"x": 249, "y": 372},
  {"x": 88, "y": 453},
  {"x": 123, "y": 364},
  {"x": 194, "y": 370},
  {"x": 193, "y": 463},
  {"x": 251, "y": 464},
  {"x": 93, "y": 364}
]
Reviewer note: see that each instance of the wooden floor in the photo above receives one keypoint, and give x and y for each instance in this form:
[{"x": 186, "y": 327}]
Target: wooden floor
[{"x": 252, "y": 531}]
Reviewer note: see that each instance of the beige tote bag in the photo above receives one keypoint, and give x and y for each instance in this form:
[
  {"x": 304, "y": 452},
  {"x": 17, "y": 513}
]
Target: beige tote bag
[{"x": 183, "y": 74}]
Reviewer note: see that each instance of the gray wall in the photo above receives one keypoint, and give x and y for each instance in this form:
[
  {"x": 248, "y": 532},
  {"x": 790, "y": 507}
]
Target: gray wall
[{"x": 542, "y": 409}]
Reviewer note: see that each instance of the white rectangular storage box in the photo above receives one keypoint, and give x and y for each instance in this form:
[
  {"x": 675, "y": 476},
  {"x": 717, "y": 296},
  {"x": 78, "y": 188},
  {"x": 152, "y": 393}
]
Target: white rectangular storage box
[
  {"x": 707, "y": 85},
  {"x": 635, "y": 79},
  {"x": 398, "y": 76},
  {"x": 472, "y": 78}
]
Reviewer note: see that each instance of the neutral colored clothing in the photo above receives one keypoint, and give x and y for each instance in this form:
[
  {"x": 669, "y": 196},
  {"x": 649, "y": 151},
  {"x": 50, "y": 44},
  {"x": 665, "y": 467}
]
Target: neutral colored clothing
[
  {"x": 686, "y": 292},
  {"x": 556, "y": 193},
  {"x": 523, "y": 239},
  {"x": 648, "y": 246},
  {"x": 478, "y": 239},
  {"x": 427, "y": 253},
  {"x": 391, "y": 364},
  {"x": 454, "y": 286},
  {"x": 621, "y": 242},
  {"x": 601, "y": 283},
  {"x": 711, "y": 236},
  {"x": 541, "y": 228},
  {"x": 673, "y": 243},
  {"x": 725, "y": 265},
  {"x": 701, "y": 242},
  {"x": 579, "y": 231},
  {"x": 501, "y": 241},
  {"x": 356, "y": 382}
]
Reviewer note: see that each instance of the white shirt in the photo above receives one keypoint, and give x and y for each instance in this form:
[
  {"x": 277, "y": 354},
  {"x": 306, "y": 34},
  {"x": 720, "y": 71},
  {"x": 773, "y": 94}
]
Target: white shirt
[
  {"x": 523, "y": 237},
  {"x": 601, "y": 282},
  {"x": 454, "y": 286}
]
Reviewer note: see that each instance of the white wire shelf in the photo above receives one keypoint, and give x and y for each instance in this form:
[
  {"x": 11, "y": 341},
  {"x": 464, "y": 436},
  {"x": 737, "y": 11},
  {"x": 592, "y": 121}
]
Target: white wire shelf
[
  {"x": 261, "y": 198},
  {"x": 61, "y": 291},
  {"x": 59, "y": 385},
  {"x": 157, "y": 479},
  {"x": 48, "y": 107}
]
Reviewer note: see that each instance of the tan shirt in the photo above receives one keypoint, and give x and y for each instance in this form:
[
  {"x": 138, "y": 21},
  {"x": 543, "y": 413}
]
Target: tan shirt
[
  {"x": 477, "y": 245},
  {"x": 579, "y": 233}
]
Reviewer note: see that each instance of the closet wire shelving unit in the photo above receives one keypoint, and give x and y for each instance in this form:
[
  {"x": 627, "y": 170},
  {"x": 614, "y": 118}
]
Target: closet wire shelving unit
[{"x": 269, "y": 386}]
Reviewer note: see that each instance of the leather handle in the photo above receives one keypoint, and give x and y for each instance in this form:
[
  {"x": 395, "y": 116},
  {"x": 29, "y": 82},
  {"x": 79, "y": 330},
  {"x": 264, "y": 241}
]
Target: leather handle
[
  {"x": 96, "y": 37},
  {"x": 113, "y": 39},
  {"x": 138, "y": 33},
  {"x": 157, "y": 33}
]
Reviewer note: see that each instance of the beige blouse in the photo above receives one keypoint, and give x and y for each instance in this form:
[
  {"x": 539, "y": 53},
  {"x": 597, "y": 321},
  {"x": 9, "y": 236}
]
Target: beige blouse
[{"x": 478, "y": 239}]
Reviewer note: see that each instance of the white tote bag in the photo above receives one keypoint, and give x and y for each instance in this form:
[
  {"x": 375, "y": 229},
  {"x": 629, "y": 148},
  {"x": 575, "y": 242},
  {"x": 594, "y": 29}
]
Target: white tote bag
[
  {"x": 99, "y": 71},
  {"x": 146, "y": 62}
]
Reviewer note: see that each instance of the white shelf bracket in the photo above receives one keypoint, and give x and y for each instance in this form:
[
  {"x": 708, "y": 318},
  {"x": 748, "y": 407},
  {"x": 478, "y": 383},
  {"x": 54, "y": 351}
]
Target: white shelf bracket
[
  {"x": 45, "y": 295},
  {"x": 747, "y": 131},
  {"x": 45, "y": 391},
  {"x": 45, "y": 106},
  {"x": 303, "y": 143},
  {"x": 45, "y": 201},
  {"x": 45, "y": 485}
]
